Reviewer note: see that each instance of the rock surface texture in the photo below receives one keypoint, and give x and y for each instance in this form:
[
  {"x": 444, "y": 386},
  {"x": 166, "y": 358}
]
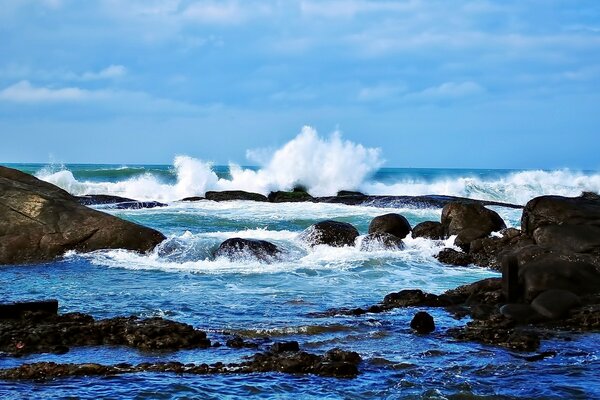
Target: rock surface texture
[{"x": 39, "y": 222}]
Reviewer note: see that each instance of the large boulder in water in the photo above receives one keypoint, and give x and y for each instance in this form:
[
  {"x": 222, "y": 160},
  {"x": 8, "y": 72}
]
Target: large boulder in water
[
  {"x": 228, "y": 195},
  {"x": 295, "y": 196},
  {"x": 394, "y": 224},
  {"x": 381, "y": 241},
  {"x": 568, "y": 224},
  {"x": 235, "y": 248},
  {"x": 332, "y": 233},
  {"x": 429, "y": 229},
  {"x": 40, "y": 221},
  {"x": 469, "y": 221}
]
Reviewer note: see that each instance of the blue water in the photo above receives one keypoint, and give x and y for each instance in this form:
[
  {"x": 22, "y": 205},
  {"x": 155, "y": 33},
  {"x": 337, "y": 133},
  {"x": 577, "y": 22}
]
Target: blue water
[{"x": 180, "y": 280}]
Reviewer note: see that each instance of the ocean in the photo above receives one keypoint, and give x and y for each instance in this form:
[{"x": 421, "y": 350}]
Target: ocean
[{"x": 181, "y": 280}]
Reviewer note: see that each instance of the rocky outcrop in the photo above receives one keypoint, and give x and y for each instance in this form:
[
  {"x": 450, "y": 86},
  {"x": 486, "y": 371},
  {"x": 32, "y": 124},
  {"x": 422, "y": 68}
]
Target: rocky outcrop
[
  {"x": 121, "y": 203},
  {"x": 331, "y": 233},
  {"x": 236, "y": 248},
  {"x": 430, "y": 230},
  {"x": 381, "y": 241},
  {"x": 297, "y": 195},
  {"x": 39, "y": 222},
  {"x": 394, "y": 224},
  {"x": 229, "y": 195},
  {"x": 454, "y": 257},
  {"x": 469, "y": 222}
]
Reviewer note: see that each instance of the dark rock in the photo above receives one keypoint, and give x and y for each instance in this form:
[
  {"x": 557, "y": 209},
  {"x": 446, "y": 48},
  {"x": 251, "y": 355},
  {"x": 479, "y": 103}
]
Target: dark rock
[
  {"x": 410, "y": 297},
  {"x": 193, "y": 198},
  {"x": 453, "y": 257},
  {"x": 39, "y": 222},
  {"x": 521, "y": 313},
  {"x": 394, "y": 224},
  {"x": 346, "y": 193},
  {"x": 469, "y": 221},
  {"x": 381, "y": 241},
  {"x": 16, "y": 310},
  {"x": 430, "y": 230},
  {"x": 551, "y": 271},
  {"x": 489, "y": 251},
  {"x": 485, "y": 291},
  {"x": 228, "y": 195},
  {"x": 499, "y": 333},
  {"x": 137, "y": 205},
  {"x": 99, "y": 199},
  {"x": 555, "y": 303},
  {"x": 331, "y": 233},
  {"x": 422, "y": 323},
  {"x": 289, "y": 197},
  {"x": 235, "y": 248},
  {"x": 238, "y": 343},
  {"x": 281, "y": 347}
]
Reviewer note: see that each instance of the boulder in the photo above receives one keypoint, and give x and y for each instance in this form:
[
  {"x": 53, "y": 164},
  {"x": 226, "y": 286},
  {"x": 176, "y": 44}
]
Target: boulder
[
  {"x": 331, "y": 233},
  {"x": 422, "y": 323},
  {"x": 235, "y": 248},
  {"x": 381, "y": 241},
  {"x": 228, "y": 195},
  {"x": 297, "y": 195},
  {"x": 118, "y": 202},
  {"x": 394, "y": 224},
  {"x": 430, "y": 230},
  {"x": 520, "y": 313},
  {"x": 469, "y": 221},
  {"x": 347, "y": 193},
  {"x": 453, "y": 257},
  {"x": 40, "y": 222},
  {"x": 555, "y": 303}
]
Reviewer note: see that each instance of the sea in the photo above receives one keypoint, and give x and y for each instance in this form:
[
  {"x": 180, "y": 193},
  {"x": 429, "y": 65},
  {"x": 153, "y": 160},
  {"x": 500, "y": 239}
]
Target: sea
[{"x": 181, "y": 280}]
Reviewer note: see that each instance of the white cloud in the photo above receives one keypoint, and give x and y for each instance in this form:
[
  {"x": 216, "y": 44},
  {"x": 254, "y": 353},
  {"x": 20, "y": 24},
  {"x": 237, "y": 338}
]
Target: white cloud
[
  {"x": 25, "y": 92},
  {"x": 110, "y": 72}
]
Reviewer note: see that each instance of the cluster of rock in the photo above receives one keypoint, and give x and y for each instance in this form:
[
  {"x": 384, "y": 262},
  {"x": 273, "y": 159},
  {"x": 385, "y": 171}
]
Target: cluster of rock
[{"x": 39, "y": 222}]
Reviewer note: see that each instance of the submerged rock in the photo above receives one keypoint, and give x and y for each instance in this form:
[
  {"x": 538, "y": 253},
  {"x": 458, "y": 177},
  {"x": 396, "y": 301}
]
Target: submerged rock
[
  {"x": 331, "y": 233},
  {"x": 381, "y": 241},
  {"x": 235, "y": 248},
  {"x": 228, "y": 195},
  {"x": 422, "y": 323},
  {"x": 40, "y": 222},
  {"x": 394, "y": 224}
]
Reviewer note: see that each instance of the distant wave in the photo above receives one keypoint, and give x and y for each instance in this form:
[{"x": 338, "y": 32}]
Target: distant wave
[{"x": 322, "y": 165}]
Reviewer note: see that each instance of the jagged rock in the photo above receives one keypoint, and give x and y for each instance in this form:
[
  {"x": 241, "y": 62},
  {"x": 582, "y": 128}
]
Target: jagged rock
[
  {"x": 228, "y": 195},
  {"x": 394, "y": 224},
  {"x": 40, "y": 222},
  {"x": 235, "y": 248},
  {"x": 453, "y": 257},
  {"x": 430, "y": 230},
  {"x": 331, "y": 233},
  {"x": 381, "y": 241},
  {"x": 289, "y": 197},
  {"x": 121, "y": 203}
]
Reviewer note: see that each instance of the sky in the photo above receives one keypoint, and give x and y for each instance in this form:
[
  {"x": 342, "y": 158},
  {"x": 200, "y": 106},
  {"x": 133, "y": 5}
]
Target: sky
[{"x": 432, "y": 83}]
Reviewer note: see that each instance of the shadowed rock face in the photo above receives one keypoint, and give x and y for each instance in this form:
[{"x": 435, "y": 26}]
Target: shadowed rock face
[
  {"x": 331, "y": 233},
  {"x": 470, "y": 221},
  {"x": 39, "y": 222},
  {"x": 394, "y": 224}
]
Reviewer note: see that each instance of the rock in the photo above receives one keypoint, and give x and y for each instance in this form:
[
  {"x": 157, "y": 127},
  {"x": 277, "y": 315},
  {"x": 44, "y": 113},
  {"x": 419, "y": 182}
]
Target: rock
[
  {"x": 281, "y": 347},
  {"x": 555, "y": 303},
  {"x": 331, "y": 233},
  {"x": 118, "y": 202},
  {"x": 394, "y": 224},
  {"x": 453, "y": 257},
  {"x": 193, "y": 198},
  {"x": 430, "y": 230},
  {"x": 410, "y": 297},
  {"x": 289, "y": 197},
  {"x": 551, "y": 271},
  {"x": 235, "y": 248},
  {"x": 238, "y": 343},
  {"x": 381, "y": 241},
  {"x": 485, "y": 291},
  {"x": 228, "y": 195},
  {"x": 469, "y": 221},
  {"x": 346, "y": 193},
  {"x": 422, "y": 323},
  {"x": 489, "y": 251},
  {"x": 137, "y": 205},
  {"x": 16, "y": 310},
  {"x": 40, "y": 222},
  {"x": 521, "y": 313}
]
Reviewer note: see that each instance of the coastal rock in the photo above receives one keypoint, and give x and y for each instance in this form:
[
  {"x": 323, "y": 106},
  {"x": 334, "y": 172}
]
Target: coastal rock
[
  {"x": 381, "y": 241},
  {"x": 193, "y": 198},
  {"x": 346, "y": 193},
  {"x": 40, "y": 222},
  {"x": 489, "y": 251},
  {"x": 422, "y": 323},
  {"x": 331, "y": 233},
  {"x": 121, "y": 203},
  {"x": 555, "y": 303},
  {"x": 469, "y": 221},
  {"x": 521, "y": 313},
  {"x": 394, "y": 224},
  {"x": 229, "y": 195},
  {"x": 429, "y": 230},
  {"x": 235, "y": 248},
  {"x": 410, "y": 297},
  {"x": 294, "y": 196},
  {"x": 453, "y": 257}
]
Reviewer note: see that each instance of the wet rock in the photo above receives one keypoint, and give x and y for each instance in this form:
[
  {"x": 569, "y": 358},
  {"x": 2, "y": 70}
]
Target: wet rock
[
  {"x": 137, "y": 205},
  {"x": 422, "y": 323},
  {"x": 555, "y": 303},
  {"x": 235, "y": 248},
  {"x": 121, "y": 203},
  {"x": 229, "y": 195},
  {"x": 42, "y": 332},
  {"x": 469, "y": 221},
  {"x": 40, "y": 222},
  {"x": 485, "y": 291},
  {"x": 238, "y": 343},
  {"x": 18, "y": 309},
  {"x": 499, "y": 332},
  {"x": 381, "y": 241},
  {"x": 346, "y": 193},
  {"x": 281, "y": 347},
  {"x": 193, "y": 198},
  {"x": 521, "y": 313},
  {"x": 331, "y": 233},
  {"x": 394, "y": 224},
  {"x": 429, "y": 230},
  {"x": 289, "y": 197},
  {"x": 453, "y": 257},
  {"x": 410, "y": 298}
]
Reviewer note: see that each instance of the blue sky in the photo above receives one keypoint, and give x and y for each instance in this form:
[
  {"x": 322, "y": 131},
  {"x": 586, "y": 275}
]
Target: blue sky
[{"x": 436, "y": 83}]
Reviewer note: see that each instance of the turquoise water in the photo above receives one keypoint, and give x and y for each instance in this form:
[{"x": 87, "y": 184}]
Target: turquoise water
[{"x": 180, "y": 280}]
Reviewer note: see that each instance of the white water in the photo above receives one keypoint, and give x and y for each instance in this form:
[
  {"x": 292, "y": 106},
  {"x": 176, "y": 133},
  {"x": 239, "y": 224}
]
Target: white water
[{"x": 325, "y": 166}]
